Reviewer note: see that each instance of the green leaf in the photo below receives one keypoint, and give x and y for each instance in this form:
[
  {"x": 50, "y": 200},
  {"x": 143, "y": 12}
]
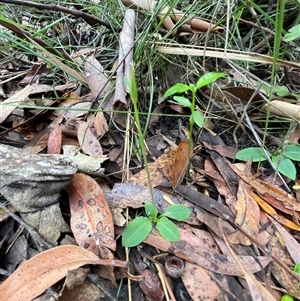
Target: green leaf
[
  {"x": 297, "y": 268},
  {"x": 292, "y": 34},
  {"x": 286, "y": 298},
  {"x": 178, "y": 212},
  {"x": 208, "y": 78},
  {"x": 198, "y": 118},
  {"x": 251, "y": 152},
  {"x": 286, "y": 166},
  {"x": 133, "y": 87},
  {"x": 292, "y": 151},
  {"x": 178, "y": 88},
  {"x": 151, "y": 210},
  {"x": 279, "y": 90},
  {"x": 167, "y": 229},
  {"x": 183, "y": 101},
  {"x": 136, "y": 232}
]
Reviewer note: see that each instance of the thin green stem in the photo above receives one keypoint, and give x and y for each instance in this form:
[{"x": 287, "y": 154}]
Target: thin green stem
[
  {"x": 192, "y": 119},
  {"x": 134, "y": 99}
]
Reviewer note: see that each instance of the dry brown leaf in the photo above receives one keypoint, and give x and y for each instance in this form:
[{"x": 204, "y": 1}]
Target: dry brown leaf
[
  {"x": 192, "y": 50},
  {"x": 279, "y": 205},
  {"x": 284, "y": 109},
  {"x": 91, "y": 218},
  {"x": 100, "y": 124},
  {"x": 257, "y": 290},
  {"x": 8, "y": 105},
  {"x": 88, "y": 141},
  {"x": 280, "y": 274},
  {"x": 263, "y": 188},
  {"x": 54, "y": 140},
  {"x": 271, "y": 211},
  {"x": 68, "y": 99},
  {"x": 198, "y": 283},
  {"x": 181, "y": 163},
  {"x": 160, "y": 171},
  {"x": 247, "y": 216},
  {"x": 94, "y": 74},
  {"x": 36, "y": 71},
  {"x": 55, "y": 61},
  {"x": 290, "y": 242},
  {"x": 204, "y": 257},
  {"x": 43, "y": 270},
  {"x": 220, "y": 184}
]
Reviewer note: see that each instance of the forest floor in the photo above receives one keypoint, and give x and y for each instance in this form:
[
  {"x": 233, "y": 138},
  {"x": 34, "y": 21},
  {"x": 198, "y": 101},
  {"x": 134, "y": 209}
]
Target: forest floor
[{"x": 149, "y": 150}]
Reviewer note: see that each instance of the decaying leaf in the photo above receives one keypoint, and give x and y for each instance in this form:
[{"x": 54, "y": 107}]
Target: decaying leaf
[
  {"x": 281, "y": 275},
  {"x": 84, "y": 163},
  {"x": 43, "y": 270},
  {"x": 290, "y": 242},
  {"x": 91, "y": 218},
  {"x": 7, "y": 106},
  {"x": 95, "y": 77},
  {"x": 263, "y": 188},
  {"x": 247, "y": 213},
  {"x": 88, "y": 141},
  {"x": 284, "y": 109},
  {"x": 206, "y": 258},
  {"x": 100, "y": 124},
  {"x": 198, "y": 283},
  {"x": 160, "y": 171},
  {"x": 55, "y": 140}
]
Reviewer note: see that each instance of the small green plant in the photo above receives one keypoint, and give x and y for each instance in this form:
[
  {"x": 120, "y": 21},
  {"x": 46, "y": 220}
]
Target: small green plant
[
  {"x": 292, "y": 34},
  {"x": 139, "y": 228},
  {"x": 281, "y": 159},
  {"x": 196, "y": 115},
  {"x": 288, "y": 297}
]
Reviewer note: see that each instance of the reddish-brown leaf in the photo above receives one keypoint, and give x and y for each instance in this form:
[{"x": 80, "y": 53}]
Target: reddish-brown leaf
[
  {"x": 181, "y": 163},
  {"x": 40, "y": 272},
  {"x": 91, "y": 218},
  {"x": 55, "y": 140}
]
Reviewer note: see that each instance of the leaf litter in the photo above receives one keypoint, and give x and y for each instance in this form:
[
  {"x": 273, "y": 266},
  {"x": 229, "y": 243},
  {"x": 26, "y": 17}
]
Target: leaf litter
[{"x": 67, "y": 207}]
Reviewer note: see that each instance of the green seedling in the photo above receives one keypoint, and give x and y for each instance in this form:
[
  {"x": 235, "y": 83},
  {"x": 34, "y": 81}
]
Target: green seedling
[
  {"x": 140, "y": 227},
  {"x": 196, "y": 116},
  {"x": 283, "y": 160}
]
